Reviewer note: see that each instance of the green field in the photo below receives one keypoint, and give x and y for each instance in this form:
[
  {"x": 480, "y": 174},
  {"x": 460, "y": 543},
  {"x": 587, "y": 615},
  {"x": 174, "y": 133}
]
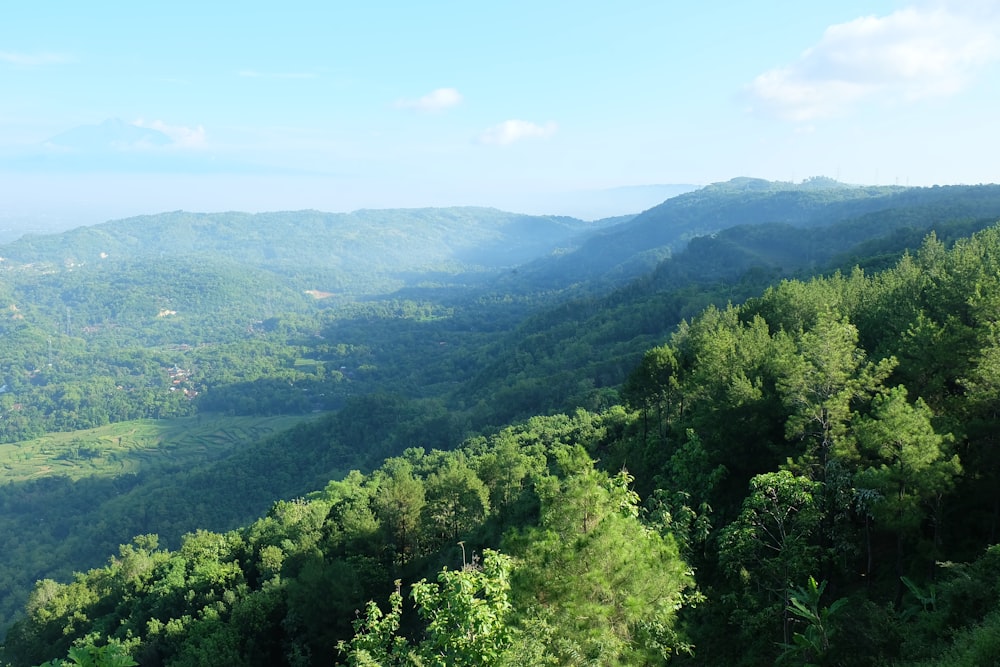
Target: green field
[{"x": 128, "y": 447}]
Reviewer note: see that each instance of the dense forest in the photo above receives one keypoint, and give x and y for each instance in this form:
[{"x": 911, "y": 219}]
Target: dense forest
[{"x": 764, "y": 433}]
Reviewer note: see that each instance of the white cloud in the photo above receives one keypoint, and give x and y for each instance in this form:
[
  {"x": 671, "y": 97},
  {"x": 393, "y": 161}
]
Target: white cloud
[
  {"x": 33, "y": 59},
  {"x": 436, "y": 100},
  {"x": 181, "y": 136},
  {"x": 510, "y": 131},
  {"x": 914, "y": 53}
]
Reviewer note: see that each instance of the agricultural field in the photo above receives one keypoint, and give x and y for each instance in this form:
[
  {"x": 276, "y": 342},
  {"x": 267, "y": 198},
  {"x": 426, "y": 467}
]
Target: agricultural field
[{"x": 134, "y": 446}]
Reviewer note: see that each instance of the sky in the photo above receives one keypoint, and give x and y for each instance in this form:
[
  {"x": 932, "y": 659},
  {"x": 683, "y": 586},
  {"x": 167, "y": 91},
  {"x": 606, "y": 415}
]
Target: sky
[{"x": 110, "y": 109}]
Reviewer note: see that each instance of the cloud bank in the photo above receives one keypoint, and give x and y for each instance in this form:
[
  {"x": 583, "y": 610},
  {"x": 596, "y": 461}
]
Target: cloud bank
[
  {"x": 116, "y": 146},
  {"x": 180, "y": 136},
  {"x": 911, "y": 54},
  {"x": 511, "y": 131},
  {"x": 436, "y": 100}
]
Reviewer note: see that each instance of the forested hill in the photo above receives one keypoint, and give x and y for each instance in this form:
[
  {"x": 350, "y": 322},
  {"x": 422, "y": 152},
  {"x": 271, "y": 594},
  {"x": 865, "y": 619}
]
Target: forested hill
[
  {"x": 813, "y": 481},
  {"x": 363, "y": 252},
  {"x": 627, "y": 250},
  {"x": 165, "y": 391},
  {"x": 575, "y": 352}
]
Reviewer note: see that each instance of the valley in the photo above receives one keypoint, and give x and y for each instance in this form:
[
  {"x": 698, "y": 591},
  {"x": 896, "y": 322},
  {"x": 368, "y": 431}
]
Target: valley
[{"x": 237, "y": 429}]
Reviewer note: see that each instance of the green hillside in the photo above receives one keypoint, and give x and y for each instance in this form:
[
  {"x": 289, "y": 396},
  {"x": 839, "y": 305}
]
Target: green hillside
[
  {"x": 500, "y": 413},
  {"x": 364, "y": 252},
  {"x": 628, "y": 250},
  {"x": 810, "y": 469}
]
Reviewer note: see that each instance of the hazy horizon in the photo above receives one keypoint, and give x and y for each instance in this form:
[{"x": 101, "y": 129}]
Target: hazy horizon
[{"x": 124, "y": 109}]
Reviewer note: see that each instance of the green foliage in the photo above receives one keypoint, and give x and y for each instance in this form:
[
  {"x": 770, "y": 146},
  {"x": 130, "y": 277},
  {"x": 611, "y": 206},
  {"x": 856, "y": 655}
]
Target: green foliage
[
  {"x": 911, "y": 465},
  {"x": 91, "y": 656},
  {"x": 972, "y": 646},
  {"x": 398, "y": 505},
  {"x": 820, "y": 384},
  {"x": 465, "y": 619},
  {"x": 466, "y": 613},
  {"x": 375, "y": 642},
  {"x": 926, "y": 599},
  {"x": 686, "y": 513},
  {"x": 813, "y": 645},
  {"x": 772, "y": 441},
  {"x": 605, "y": 588},
  {"x": 769, "y": 547},
  {"x": 457, "y": 500}
]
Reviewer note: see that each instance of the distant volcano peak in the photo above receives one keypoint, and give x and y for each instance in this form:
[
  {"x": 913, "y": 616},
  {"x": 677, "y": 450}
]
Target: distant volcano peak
[{"x": 112, "y": 135}]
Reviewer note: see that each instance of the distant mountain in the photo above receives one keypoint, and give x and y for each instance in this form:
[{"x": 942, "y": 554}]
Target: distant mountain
[
  {"x": 111, "y": 135},
  {"x": 372, "y": 252},
  {"x": 115, "y": 146},
  {"x": 364, "y": 252},
  {"x": 627, "y": 250}
]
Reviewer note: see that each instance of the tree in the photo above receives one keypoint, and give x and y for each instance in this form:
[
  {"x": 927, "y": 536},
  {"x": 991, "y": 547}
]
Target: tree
[
  {"x": 376, "y": 642},
  {"x": 466, "y": 613},
  {"x": 504, "y": 467},
  {"x": 456, "y": 499},
  {"x": 398, "y": 503},
  {"x": 680, "y": 503},
  {"x": 770, "y": 545},
  {"x": 465, "y": 616},
  {"x": 592, "y": 582},
  {"x": 818, "y": 384},
  {"x": 910, "y": 468},
  {"x": 653, "y": 387}
]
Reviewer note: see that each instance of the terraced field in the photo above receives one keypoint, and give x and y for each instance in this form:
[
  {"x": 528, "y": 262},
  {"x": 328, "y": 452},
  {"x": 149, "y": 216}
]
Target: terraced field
[{"x": 128, "y": 447}]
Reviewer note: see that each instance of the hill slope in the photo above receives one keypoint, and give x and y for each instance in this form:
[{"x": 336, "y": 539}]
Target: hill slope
[
  {"x": 816, "y": 459},
  {"x": 628, "y": 250},
  {"x": 86, "y": 342},
  {"x": 364, "y": 252}
]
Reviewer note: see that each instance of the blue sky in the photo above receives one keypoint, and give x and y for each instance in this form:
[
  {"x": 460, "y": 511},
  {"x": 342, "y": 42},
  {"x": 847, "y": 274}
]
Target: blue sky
[{"x": 338, "y": 106}]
